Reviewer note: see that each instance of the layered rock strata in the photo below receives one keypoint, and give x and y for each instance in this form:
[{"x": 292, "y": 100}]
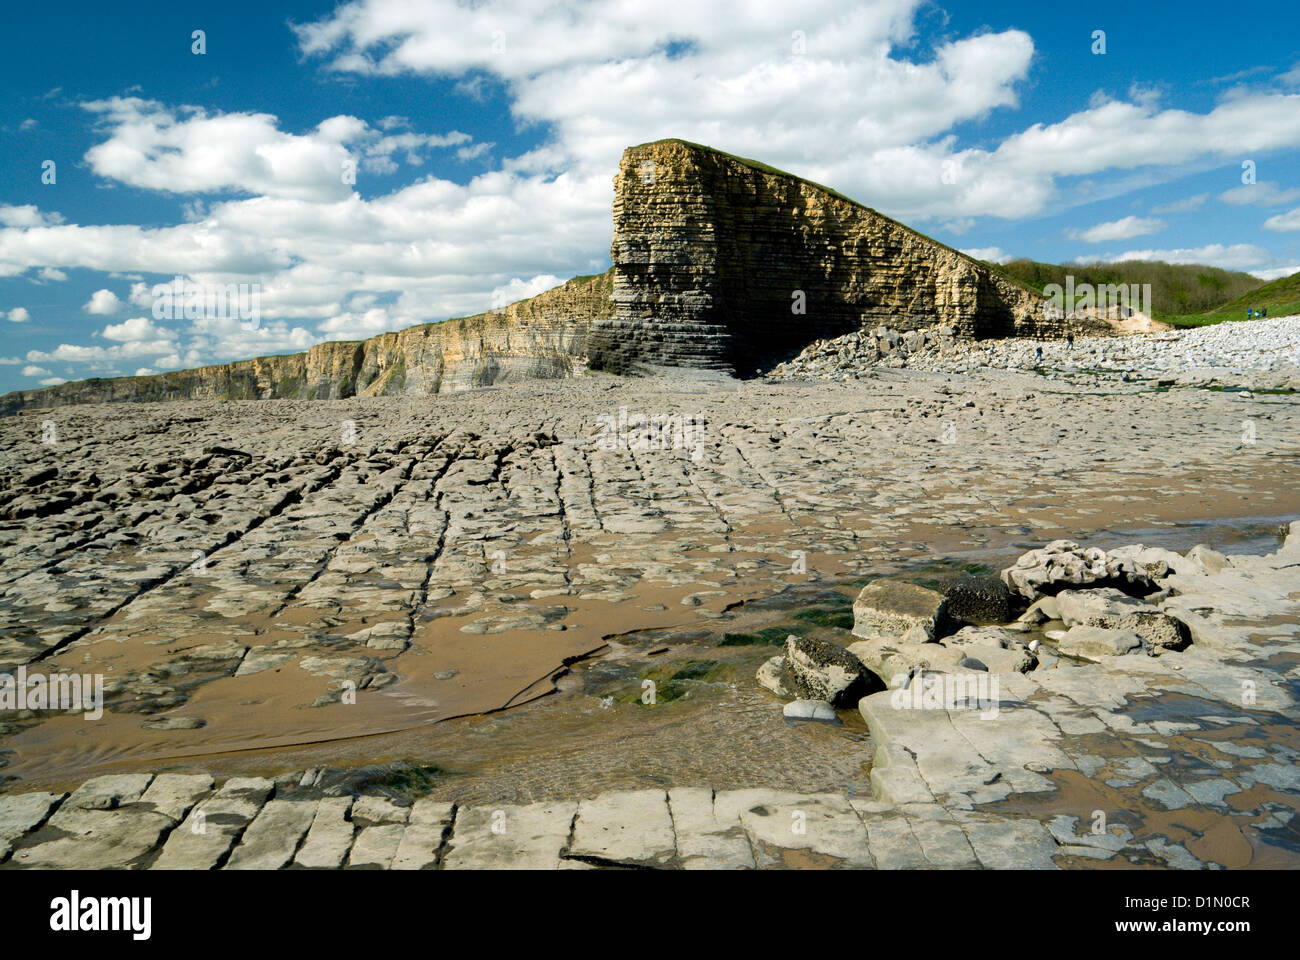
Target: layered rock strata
[
  {"x": 724, "y": 262},
  {"x": 543, "y": 337}
]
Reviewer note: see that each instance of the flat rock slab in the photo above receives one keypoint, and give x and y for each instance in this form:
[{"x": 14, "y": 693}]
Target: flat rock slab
[
  {"x": 23, "y": 813},
  {"x": 510, "y": 837},
  {"x": 1013, "y": 845},
  {"x": 793, "y": 831},
  {"x": 632, "y": 828},
  {"x": 203, "y": 840},
  {"x": 944, "y": 844},
  {"x": 369, "y": 809},
  {"x": 892, "y": 843},
  {"x": 426, "y": 834},
  {"x": 950, "y": 767},
  {"x": 330, "y": 836},
  {"x": 705, "y": 841},
  {"x": 105, "y": 793},
  {"x": 96, "y": 839},
  {"x": 272, "y": 839},
  {"x": 376, "y": 846},
  {"x": 174, "y": 794}
]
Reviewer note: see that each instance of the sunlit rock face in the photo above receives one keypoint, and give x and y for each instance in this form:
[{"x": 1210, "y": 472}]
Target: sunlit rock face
[{"x": 724, "y": 262}]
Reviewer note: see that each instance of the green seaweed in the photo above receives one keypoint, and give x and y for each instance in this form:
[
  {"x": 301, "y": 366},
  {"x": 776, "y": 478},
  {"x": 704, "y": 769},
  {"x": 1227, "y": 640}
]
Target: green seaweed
[
  {"x": 768, "y": 636},
  {"x": 823, "y": 617}
]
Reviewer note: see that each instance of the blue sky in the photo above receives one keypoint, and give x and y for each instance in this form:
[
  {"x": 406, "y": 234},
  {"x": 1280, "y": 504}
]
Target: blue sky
[{"x": 484, "y": 140}]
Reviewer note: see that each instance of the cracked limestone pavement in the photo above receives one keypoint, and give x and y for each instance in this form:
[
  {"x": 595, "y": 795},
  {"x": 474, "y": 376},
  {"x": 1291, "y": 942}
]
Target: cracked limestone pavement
[{"x": 269, "y": 575}]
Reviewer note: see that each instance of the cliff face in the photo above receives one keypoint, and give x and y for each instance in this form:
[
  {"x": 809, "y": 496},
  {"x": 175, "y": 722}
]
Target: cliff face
[
  {"x": 723, "y": 262},
  {"x": 718, "y": 262},
  {"x": 542, "y": 337}
]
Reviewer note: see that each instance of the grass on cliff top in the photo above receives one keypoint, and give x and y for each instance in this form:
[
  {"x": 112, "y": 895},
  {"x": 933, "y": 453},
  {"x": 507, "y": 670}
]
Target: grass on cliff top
[
  {"x": 1281, "y": 298},
  {"x": 762, "y": 167},
  {"x": 1178, "y": 291}
]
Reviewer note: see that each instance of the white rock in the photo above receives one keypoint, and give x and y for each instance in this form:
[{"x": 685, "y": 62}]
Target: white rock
[{"x": 810, "y": 710}]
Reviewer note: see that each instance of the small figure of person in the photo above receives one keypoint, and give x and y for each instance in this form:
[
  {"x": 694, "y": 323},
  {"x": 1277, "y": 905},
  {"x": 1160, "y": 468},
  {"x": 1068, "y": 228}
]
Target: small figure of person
[
  {"x": 1069, "y": 340},
  {"x": 1038, "y": 354},
  {"x": 1264, "y": 312}
]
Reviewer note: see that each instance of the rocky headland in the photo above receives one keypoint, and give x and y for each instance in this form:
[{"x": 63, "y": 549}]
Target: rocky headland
[{"x": 718, "y": 262}]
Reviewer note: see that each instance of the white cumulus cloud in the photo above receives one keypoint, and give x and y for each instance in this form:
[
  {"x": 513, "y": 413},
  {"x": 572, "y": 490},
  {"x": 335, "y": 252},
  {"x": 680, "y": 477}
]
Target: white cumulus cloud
[
  {"x": 1265, "y": 193},
  {"x": 103, "y": 303},
  {"x": 1238, "y": 256},
  {"x": 1284, "y": 221},
  {"x": 1124, "y": 229},
  {"x": 989, "y": 254}
]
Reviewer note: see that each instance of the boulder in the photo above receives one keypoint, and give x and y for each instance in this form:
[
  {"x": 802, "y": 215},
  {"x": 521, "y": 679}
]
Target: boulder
[
  {"x": 1143, "y": 566},
  {"x": 771, "y": 676},
  {"x": 996, "y": 649},
  {"x": 810, "y": 710},
  {"x": 1063, "y": 564},
  {"x": 812, "y": 669},
  {"x": 1157, "y": 628},
  {"x": 1040, "y": 611},
  {"x": 898, "y": 609},
  {"x": 977, "y": 599},
  {"x": 1113, "y": 610},
  {"x": 1212, "y": 561},
  {"x": 1099, "y": 607},
  {"x": 1093, "y": 643}
]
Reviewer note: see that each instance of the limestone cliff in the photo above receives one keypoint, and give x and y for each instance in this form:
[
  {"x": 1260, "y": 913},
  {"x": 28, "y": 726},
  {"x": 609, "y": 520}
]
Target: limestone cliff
[
  {"x": 718, "y": 262},
  {"x": 542, "y": 337},
  {"x": 725, "y": 262}
]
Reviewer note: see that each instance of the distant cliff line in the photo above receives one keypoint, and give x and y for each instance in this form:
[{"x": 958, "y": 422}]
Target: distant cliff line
[
  {"x": 541, "y": 337},
  {"x": 718, "y": 262}
]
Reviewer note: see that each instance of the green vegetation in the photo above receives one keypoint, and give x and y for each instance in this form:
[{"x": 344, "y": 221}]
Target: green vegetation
[
  {"x": 932, "y": 575},
  {"x": 1185, "y": 295},
  {"x": 1280, "y": 298},
  {"x": 768, "y": 636},
  {"x": 1177, "y": 290},
  {"x": 841, "y": 619},
  {"x": 407, "y": 778},
  {"x": 287, "y": 388},
  {"x": 396, "y": 377}
]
